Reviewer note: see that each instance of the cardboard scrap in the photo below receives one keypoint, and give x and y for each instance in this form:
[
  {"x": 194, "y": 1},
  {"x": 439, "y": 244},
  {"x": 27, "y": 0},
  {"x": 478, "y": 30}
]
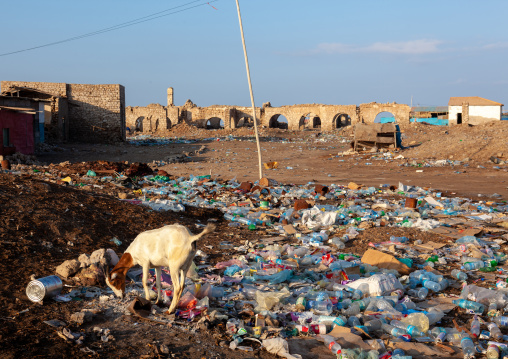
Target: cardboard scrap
[
  {"x": 383, "y": 260},
  {"x": 289, "y": 229},
  {"x": 429, "y": 246},
  {"x": 350, "y": 341},
  {"x": 455, "y": 233}
]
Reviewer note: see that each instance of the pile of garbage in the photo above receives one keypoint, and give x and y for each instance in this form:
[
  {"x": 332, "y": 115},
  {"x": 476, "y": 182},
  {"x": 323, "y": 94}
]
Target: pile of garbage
[{"x": 400, "y": 298}]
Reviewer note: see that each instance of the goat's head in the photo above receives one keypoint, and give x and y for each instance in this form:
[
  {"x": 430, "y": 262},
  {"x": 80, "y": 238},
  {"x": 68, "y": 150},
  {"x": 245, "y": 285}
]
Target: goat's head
[{"x": 116, "y": 279}]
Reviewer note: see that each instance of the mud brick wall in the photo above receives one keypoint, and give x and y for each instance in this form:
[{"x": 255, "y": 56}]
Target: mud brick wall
[{"x": 96, "y": 113}]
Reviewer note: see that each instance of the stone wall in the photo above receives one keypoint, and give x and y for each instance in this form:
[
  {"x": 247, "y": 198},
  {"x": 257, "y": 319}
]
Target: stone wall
[
  {"x": 52, "y": 88},
  {"x": 95, "y": 113},
  {"x": 369, "y": 111},
  {"x": 150, "y": 119},
  {"x": 87, "y": 113}
]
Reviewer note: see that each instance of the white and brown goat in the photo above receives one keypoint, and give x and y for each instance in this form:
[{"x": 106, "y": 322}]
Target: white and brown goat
[{"x": 172, "y": 246}]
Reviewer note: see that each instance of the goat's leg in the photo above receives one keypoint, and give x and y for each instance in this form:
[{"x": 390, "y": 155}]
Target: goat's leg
[
  {"x": 145, "y": 280},
  {"x": 176, "y": 289},
  {"x": 158, "y": 274}
]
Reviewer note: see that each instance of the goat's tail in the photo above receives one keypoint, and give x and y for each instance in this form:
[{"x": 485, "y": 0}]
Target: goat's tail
[{"x": 210, "y": 227}]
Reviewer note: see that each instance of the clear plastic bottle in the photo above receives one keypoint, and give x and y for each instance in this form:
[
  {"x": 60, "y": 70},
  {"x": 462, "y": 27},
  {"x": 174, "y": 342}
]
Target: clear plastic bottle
[
  {"x": 502, "y": 322},
  {"x": 323, "y": 307},
  {"x": 419, "y": 293},
  {"x": 402, "y": 307},
  {"x": 459, "y": 275},
  {"x": 468, "y": 348},
  {"x": 229, "y": 217},
  {"x": 495, "y": 332},
  {"x": 475, "y": 327},
  {"x": 434, "y": 286},
  {"x": 353, "y": 321},
  {"x": 353, "y": 309},
  {"x": 390, "y": 329},
  {"x": 467, "y": 304},
  {"x": 331, "y": 344},
  {"x": 410, "y": 329},
  {"x": 474, "y": 265},
  {"x": 374, "y": 324},
  {"x": 340, "y": 321}
]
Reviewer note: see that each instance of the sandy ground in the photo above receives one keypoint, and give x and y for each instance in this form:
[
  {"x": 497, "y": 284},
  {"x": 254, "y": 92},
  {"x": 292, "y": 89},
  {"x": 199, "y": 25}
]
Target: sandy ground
[{"x": 44, "y": 224}]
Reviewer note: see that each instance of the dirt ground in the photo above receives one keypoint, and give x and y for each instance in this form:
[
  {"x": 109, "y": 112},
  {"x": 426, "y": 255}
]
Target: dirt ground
[{"x": 44, "y": 224}]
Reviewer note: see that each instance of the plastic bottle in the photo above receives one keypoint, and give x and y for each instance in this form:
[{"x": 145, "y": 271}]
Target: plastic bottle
[
  {"x": 398, "y": 239},
  {"x": 229, "y": 217},
  {"x": 353, "y": 321},
  {"x": 323, "y": 307},
  {"x": 474, "y": 265},
  {"x": 459, "y": 275},
  {"x": 331, "y": 344},
  {"x": 468, "y": 348},
  {"x": 419, "y": 293},
  {"x": 410, "y": 329},
  {"x": 429, "y": 284},
  {"x": 374, "y": 324},
  {"x": 467, "y": 304},
  {"x": 402, "y": 307},
  {"x": 390, "y": 329},
  {"x": 245, "y": 221},
  {"x": 495, "y": 332},
  {"x": 340, "y": 321},
  {"x": 502, "y": 322},
  {"x": 353, "y": 309},
  {"x": 475, "y": 327},
  {"x": 319, "y": 236}
]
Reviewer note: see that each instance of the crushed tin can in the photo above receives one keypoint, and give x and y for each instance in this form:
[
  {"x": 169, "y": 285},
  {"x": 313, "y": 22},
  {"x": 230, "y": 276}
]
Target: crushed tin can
[{"x": 43, "y": 288}]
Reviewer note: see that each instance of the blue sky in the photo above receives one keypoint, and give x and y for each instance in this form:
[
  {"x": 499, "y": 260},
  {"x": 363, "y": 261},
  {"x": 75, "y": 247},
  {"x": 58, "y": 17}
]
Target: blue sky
[{"x": 329, "y": 51}]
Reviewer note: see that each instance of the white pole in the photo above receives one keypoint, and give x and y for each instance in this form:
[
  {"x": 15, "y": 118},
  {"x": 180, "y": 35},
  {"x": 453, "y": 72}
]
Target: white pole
[{"x": 251, "y": 93}]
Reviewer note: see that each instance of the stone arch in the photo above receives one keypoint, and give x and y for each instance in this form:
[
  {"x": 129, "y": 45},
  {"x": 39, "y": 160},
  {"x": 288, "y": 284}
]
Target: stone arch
[
  {"x": 275, "y": 123},
  {"x": 341, "y": 120},
  {"x": 214, "y": 123},
  {"x": 369, "y": 111},
  {"x": 244, "y": 121},
  {"x": 384, "y": 117},
  {"x": 168, "y": 123},
  {"x": 310, "y": 120},
  {"x": 138, "y": 124}
]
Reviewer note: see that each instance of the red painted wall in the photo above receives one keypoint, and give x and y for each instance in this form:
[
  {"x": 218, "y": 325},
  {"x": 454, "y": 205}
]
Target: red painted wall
[{"x": 21, "y": 132}]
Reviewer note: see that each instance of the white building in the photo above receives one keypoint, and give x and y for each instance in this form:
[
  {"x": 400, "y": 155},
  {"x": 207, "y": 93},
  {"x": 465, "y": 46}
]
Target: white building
[{"x": 473, "y": 110}]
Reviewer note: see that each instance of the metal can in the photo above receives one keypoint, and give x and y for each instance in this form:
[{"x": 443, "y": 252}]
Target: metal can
[
  {"x": 257, "y": 331},
  {"x": 492, "y": 352},
  {"x": 42, "y": 288}
]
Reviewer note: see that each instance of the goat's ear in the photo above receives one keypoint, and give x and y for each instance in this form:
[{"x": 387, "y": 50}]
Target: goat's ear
[{"x": 113, "y": 276}]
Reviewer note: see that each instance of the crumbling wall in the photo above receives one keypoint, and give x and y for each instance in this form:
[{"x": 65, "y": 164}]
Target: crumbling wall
[
  {"x": 369, "y": 111},
  {"x": 149, "y": 119},
  {"x": 96, "y": 112},
  {"x": 327, "y": 115}
]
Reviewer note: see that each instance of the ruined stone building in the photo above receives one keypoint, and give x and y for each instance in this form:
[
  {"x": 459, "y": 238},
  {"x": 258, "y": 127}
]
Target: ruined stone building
[
  {"x": 156, "y": 118},
  {"x": 72, "y": 112}
]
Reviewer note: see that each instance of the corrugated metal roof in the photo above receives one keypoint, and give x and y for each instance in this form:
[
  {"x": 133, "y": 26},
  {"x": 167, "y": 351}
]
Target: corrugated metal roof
[
  {"x": 472, "y": 101},
  {"x": 430, "y": 109}
]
